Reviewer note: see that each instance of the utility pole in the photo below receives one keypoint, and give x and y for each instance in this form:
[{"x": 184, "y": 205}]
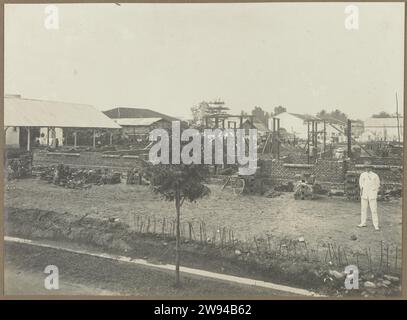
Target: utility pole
[
  {"x": 278, "y": 138},
  {"x": 324, "y": 137},
  {"x": 308, "y": 141},
  {"x": 398, "y": 120},
  {"x": 316, "y": 141}
]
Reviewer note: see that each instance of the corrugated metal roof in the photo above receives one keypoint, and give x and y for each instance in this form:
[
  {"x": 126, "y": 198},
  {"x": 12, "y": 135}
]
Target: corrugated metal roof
[
  {"x": 133, "y": 112},
  {"x": 41, "y": 113},
  {"x": 136, "y": 122}
]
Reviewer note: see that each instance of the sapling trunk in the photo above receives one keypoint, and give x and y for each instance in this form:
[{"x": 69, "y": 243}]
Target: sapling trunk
[{"x": 177, "y": 237}]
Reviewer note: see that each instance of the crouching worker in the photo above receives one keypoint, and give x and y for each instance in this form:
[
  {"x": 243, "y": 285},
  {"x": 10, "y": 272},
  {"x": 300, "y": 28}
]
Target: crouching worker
[{"x": 369, "y": 184}]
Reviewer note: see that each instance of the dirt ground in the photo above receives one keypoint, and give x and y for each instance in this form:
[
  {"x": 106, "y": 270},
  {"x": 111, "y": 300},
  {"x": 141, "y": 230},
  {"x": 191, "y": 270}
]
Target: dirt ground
[{"x": 318, "y": 221}]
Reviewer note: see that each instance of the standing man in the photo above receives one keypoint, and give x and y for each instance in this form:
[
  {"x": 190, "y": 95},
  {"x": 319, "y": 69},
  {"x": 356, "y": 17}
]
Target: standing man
[{"x": 369, "y": 184}]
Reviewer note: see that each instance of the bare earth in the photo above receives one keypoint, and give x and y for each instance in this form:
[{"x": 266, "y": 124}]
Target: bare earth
[{"x": 318, "y": 221}]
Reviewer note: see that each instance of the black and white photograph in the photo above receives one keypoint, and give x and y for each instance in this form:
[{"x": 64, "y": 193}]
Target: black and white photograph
[{"x": 203, "y": 150}]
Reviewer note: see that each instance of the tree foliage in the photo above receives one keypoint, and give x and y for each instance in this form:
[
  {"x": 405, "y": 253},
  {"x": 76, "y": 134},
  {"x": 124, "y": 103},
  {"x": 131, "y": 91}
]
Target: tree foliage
[
  {"x": 260, "y": 115},
  {"x": 382, "y": 114},
  {"x": 279, "y": 109},
  {"x": 190, "y": 179},
  {"x": 335, "y": 114}
]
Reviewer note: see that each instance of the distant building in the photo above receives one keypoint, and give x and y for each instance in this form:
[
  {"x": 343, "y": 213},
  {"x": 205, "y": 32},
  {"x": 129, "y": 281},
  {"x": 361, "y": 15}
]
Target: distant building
[
  {"x": 139, "y": 128},
  {"x": 294, "y": 123},
  {"x": 261, "y": 128},
  {"x": 131, "y": 113},
  {"x": 137, "y": 123},
  {"x": 383, "y": 129},
  {"x": 334, "y": 130},
  {"x": 32, "y": 122}
]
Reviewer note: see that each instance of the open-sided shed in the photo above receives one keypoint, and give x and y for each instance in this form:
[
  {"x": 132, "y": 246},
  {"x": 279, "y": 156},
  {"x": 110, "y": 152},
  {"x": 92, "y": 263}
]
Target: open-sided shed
[{"x": 30, "y": 113}]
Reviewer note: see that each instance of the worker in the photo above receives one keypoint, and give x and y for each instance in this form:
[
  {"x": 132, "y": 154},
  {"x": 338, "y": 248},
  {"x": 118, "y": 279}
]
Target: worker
[{"x": 369, "y": 184}]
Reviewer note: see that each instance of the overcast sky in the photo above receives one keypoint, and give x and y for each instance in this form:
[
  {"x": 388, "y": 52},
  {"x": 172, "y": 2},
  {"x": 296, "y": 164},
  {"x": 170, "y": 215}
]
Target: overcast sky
[{"x": 169, "y": 57}]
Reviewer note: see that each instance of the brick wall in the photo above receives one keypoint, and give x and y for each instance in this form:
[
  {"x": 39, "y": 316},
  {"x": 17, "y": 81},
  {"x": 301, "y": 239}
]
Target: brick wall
[{"x": 328, "y": 171}]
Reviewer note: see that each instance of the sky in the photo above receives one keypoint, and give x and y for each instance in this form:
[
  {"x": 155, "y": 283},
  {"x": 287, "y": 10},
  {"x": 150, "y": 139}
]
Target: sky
[{"x": 170, "y": 57}]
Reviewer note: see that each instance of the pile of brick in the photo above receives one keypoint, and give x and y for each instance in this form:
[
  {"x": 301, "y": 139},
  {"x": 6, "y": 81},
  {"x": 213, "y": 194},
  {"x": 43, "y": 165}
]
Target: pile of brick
[
  {"x": 352, "y": 190},
  {"x": 134, "y": 176},
  {"x": 303, "y": 191},
  {"x": 75, "y": 178},
  {"x": 18, "y": 164}
]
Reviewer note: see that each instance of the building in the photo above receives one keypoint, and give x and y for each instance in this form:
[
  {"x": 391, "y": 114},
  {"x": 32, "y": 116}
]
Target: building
[
  {"x": 132, "y": 112},
  {"x": 28, "y": 122},
  {"x": 138, "y": 129},
  {"x": 295, "y": 124},
  {"x": 261, "y": 128},
  {"x": 136, "y": 123},
  {"x": 334, "y": 131},
  {"x": 383, "y": 129}
]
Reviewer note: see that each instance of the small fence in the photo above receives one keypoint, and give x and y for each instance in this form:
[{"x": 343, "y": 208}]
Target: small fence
[{"x": 385, "y": 260}]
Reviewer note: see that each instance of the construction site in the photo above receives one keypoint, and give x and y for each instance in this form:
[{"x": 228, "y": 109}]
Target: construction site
[{"x": 293, "y": 221}]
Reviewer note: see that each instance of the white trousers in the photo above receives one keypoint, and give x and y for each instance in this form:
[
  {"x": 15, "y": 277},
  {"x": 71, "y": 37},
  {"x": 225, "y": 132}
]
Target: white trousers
[{"x": 373, "y": 208}]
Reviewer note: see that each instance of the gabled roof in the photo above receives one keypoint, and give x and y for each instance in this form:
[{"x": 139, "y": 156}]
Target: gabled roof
[
  {"x": 260, "y": 126},
  {"x": 131, "y": 112},
  {"x": 137, "y": 122},
  {"x": 303, "y": 116},
  {"x": 257, "y": 125},
  {"x": 20, "y": 112}
]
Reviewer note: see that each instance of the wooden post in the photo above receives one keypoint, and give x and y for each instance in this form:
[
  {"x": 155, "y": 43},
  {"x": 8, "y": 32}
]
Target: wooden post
[
  {"x": 94, "y": 138},
  {"x": 28, "y": 138},
  {"x": 398, "y": 120},
  {"x": 278, "y": 137},
  {"x": 324, "y": 137},
  {"x": 273, "y": 141},
  {"x": 177, "y": 238},
  {"x": 111, "y": 138},
  {"x": 308, "y": 146},
  {"x": 349, "y": 136},
  {"x": 316, "y": 141},
  {"x": 47, "y": 136},
  {"x": 75, "y": 139}
]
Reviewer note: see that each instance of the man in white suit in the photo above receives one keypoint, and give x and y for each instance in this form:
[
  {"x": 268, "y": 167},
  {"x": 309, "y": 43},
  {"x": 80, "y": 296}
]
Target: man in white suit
[{"x": 369, "y": 184}]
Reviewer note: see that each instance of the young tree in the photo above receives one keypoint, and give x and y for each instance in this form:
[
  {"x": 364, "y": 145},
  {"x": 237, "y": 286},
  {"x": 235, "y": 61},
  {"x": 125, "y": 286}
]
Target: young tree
[{"x": 178, "y": 183}]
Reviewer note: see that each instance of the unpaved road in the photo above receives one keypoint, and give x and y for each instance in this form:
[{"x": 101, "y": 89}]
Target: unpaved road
[{"x": 87, "y": 275}]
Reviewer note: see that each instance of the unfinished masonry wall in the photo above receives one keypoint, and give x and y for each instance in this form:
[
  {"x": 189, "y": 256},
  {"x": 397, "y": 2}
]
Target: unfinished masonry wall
[
  {"x": 323, "y": 170},
  {"x": 333, "y": 172}
]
